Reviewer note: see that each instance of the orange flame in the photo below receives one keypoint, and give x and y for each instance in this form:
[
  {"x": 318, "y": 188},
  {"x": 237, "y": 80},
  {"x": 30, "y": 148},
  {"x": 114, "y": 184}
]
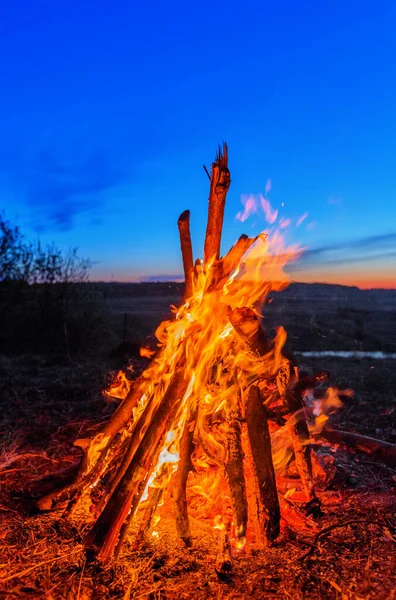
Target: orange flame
[{"x": 202, "y": 338}]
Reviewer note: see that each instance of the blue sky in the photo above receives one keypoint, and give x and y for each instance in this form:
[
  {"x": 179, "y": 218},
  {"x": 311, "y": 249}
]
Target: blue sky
[{"x": 109, "y": 111}]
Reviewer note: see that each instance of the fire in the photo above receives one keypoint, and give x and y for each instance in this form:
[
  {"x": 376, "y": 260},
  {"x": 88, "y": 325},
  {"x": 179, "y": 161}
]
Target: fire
[
  {"x": 218, "y": 369},
  {"x": 220, "y": 407}
]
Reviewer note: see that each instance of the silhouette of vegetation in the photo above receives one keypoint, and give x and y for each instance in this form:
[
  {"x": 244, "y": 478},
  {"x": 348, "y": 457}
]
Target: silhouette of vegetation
[{"x": 45, "y": 300}]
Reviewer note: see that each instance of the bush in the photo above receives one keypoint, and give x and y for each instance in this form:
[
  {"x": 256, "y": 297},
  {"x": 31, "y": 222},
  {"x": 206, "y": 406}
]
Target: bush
[{"x": 45, "y": 299}]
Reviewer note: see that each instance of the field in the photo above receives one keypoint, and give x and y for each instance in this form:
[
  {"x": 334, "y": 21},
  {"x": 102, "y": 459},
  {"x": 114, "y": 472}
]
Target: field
[{"x": 50, "y": 399}]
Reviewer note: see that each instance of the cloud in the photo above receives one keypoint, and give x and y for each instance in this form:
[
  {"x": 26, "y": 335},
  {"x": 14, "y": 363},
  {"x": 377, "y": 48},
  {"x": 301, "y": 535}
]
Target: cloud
[
  {"x": 59, "y": 184},
  {"x": 371, "y": 248},
  {"x": 59, "y": 189}
]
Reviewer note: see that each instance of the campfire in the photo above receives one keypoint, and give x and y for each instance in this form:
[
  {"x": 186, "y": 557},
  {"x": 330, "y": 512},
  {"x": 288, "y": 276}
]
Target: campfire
[{"x": 213, "y": 423}]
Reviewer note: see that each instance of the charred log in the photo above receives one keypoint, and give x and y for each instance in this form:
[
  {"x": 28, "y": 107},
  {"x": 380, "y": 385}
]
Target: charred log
[
  {"x": 260, "y": 444},
  {"x": 377, "y": 449},
  {"x": 183, "y": 224},
  {"x": 126, "y": 497},
  {"x": 247, "y": 326},
  {"x": 219, "y": 186},
  {"x": 234, "y": 471},
  {"x": 180, "y": 481}
]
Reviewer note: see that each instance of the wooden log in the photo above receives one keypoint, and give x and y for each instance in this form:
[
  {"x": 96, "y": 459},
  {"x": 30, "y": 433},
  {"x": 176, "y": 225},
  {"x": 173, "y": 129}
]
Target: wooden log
[
  {"x": 71, "y": 492},
  {"x": 264, "y": 474},
  {"x": 234, "y": 471},
  {"x": 223, "y": 566},
  {"x": 183, "y": 224},
  {"x": 96, "y": 449},
  {"x": 234, "y": 255},
  {"x": 299, "y": 434},
  {"x": 247, "y": 326},
  {"x": 219, "y": 185},
  {"x": 126, "y": 497},
  {"x": 223, "y": 268},
  {"x": 179, "y": 492},
  {"x": 126, "y": 459},
  {"x": 149, "y": 512},
  {"x": 378, "y": 450}
]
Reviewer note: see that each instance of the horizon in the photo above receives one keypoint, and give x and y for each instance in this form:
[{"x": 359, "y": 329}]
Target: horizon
[
  {"x": 180, "y": 280},
  {"x": 109, "y": 116}
]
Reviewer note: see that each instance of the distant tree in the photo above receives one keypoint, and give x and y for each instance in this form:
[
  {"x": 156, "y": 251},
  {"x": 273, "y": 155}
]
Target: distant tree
[
  {"x": 31, "y": 262},
  {"x": 43, "y": 305}
]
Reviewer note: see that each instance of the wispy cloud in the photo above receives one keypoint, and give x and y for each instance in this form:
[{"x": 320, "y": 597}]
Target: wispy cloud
[
  {"x": 59, "y": 190},
  {"x": 371, "y": 248},
  {"x": 58, "y": 185}
]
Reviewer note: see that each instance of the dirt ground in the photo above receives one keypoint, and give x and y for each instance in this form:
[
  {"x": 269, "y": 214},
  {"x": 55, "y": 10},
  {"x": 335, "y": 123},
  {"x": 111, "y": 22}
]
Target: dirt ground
[{"x": 45, "y": 404}]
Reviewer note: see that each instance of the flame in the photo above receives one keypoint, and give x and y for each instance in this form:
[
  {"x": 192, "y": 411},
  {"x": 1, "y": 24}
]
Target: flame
[
  {"x": 216, "y": 368},
  {"x": 120, "y": 386}
]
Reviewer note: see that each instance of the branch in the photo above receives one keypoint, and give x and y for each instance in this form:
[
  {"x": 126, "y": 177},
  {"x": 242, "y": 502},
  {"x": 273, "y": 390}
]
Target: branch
[
  {"x": 219, "y": 185},
  {"x": 183, "y": 224}
]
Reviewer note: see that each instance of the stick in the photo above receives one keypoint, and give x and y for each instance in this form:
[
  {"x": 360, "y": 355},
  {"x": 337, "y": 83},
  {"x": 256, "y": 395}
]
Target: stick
[
  {"x": 149, "y": 512},
  {"x": 247, "y": 326},
  {"x": 180, "y": 480},
  {"x": 223, "y": 268},
  {"x": 234, "y": 471},
  {"x": 331, "y": 528},
  {"x": 183, "y": 224},
  {"x": 223, "y": 560},
  {"x": 126, "y": 496},
  {"x": 219, "y": 185},
  {"x": 298, "y": 430},
  {"x": 260, "y": 445},
  {"x": 377, "y": 449},
  {"x": 234, "y": 255},
  {"x": 131, "y": 449}
]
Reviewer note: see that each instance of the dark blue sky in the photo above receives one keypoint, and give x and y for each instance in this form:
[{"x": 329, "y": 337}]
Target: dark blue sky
[{"x": 109, "y": 110}]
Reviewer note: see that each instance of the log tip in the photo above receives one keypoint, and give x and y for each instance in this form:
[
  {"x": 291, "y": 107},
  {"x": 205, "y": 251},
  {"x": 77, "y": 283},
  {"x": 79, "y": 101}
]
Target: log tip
[
  {"x": 184, "y": 217},
  {"x": 222, "y": 157}
]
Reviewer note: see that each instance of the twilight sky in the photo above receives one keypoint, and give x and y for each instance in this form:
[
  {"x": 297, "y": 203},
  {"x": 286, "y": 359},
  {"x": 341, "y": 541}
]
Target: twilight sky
[{"x": 109, "y": 110}]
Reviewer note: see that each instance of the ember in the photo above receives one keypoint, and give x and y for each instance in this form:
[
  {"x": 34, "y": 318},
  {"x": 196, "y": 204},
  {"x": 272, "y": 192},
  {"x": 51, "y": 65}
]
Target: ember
[{"x": 217, "y": 416}]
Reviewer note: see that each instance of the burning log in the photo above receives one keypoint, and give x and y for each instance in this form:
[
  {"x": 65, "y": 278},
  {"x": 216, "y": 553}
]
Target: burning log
[
  {"x": 234, "y": 470},
  {"x": 233, "y": 257},
  {"x": 224, "y": 561},
  {"x": 95, "y": 451},
  {"x": 127, "y": 495},
  {"x": 148, "y": 515},
  {"x": 376, "y": 449},
  {"x": 247, "y": 326},
  {"x": 298, "y": 429},
  {"x": 268, "y": 511},
  {"x": 223, "y": 268},
  {"x": 219, "y": 185},
  {"x": 180, "y": 481},
  {"x": 183, "y": 224}
]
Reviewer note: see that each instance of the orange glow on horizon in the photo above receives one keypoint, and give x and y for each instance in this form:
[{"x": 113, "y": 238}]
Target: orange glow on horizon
[
  {"x": 360, "y": 280},
  {"x": 364, "y": 281}
]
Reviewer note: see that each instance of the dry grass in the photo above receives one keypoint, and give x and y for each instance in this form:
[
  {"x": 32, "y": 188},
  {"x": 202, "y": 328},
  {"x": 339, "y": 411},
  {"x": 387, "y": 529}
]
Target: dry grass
[{"x": 46, "y": 405}]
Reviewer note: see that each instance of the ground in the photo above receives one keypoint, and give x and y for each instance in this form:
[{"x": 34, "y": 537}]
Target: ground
[{"x": 49, "y": 401}]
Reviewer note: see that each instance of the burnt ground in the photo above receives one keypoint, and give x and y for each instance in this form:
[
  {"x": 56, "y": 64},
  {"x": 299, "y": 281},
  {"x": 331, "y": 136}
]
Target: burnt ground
[{"x": 48, "y": 402}]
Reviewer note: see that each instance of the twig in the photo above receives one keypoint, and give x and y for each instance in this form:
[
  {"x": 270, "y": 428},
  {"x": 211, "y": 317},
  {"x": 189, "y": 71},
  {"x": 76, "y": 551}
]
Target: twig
[
  {"x": 206, "y": 171},
  {"x": 81, "y": 576},
  {"x": 330, "y": 528}
]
